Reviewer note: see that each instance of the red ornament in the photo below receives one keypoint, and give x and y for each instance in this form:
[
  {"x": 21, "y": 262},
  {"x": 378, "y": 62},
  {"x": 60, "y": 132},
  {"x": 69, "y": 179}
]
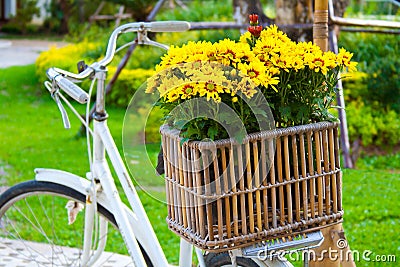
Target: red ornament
[
  {"x": 253, "y": 19},
  {"x": 255, "y": 30}
]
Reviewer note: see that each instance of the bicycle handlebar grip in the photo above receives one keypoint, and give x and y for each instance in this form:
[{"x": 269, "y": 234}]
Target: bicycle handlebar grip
[
  {"x": 72, "y": 89},
  {"x": 169, "y": 26},
  {"x": 68, "y": 87}
]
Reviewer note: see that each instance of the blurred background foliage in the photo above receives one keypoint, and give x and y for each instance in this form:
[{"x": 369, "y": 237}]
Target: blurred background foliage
[{"x": 372, "y": 95}]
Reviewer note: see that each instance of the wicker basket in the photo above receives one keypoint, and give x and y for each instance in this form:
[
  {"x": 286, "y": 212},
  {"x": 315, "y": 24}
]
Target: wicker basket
[{"x": 277, "y": 183}]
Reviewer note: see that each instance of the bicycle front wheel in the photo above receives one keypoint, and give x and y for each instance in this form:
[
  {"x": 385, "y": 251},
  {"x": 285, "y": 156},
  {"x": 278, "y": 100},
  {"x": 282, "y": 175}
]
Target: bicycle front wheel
[{"x": 34, "y": 227}]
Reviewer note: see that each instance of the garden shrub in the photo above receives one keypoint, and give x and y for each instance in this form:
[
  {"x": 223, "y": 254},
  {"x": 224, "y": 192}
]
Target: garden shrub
[
  {"x": 369, "y": 47},
  {"x": 373, "y": 95},
  {"x": 65, "y": 57},
  {"x": 384, "y": 83},
  {"x": 155, "y": 118},
  {"x": 368, "y": 121},
  {"x": 373, "y": 126},
  {"x": 354, "y": 85},
  {"x": 379, "y": 58}
]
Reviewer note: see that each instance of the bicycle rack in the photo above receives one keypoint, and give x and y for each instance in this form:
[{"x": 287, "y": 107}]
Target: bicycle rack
[{"x": 280, "y": 246}]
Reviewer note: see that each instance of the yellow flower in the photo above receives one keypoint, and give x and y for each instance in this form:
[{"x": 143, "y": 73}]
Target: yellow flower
[
  {"x": 230, "y": 53},
  {"x": 183, "y": 91},
  {"x": 270, "y": 80},
  {"x": 247, "y": 88},
  {"x": 211, "y": 90},
  {"x": 352, "y": 66},
  {"x": 307, "y": 47},
  {"x": 272, "y": 32},
  {"x": 152, "y": 84},
  {"x": 316, "y": 62},
  {"x": 330, "y": 59},
  {"x": 297, "y": 62},
  {"x": 344, "y": 59},
  {"x": 244, "y": 37},
  {"x": 280, "y": 62},
  {"x": 255, "y": 70}
]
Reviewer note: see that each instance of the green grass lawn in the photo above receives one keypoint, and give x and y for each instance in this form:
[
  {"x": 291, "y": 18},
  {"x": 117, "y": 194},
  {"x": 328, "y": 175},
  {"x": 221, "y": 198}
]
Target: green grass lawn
[{"x": 32, "y": 135}]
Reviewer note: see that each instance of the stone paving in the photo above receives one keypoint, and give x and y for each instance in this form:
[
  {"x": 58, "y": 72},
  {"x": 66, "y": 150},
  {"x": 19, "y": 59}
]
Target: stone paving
[
  {"x": 23, "y": 52},
  {"x": 17, "y": 254}
]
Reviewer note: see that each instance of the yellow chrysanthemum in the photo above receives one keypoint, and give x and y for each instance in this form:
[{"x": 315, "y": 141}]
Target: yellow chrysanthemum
[
  {"x": 230, "y": 53},
  {"x": 344, "y": 59},
  {"x": 297, "y": 62},
  {"x": 255, "y": 70},
  {"x": 272, "y": 32},
  {"x": 211, "y": 90},
  {"x": 281, "y": 62},
  {"x": 270, "y": 80},
  {"x": 330, "y": 59},
  {"x": 303, "y": 48},
  {"x": 244, "y": 37},
  {"x": 352, "y": 66}
]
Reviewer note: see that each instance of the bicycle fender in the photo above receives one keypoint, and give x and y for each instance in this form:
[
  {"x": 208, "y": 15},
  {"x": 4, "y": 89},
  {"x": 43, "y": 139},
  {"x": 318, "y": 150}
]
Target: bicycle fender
[
  {"x": 67, "y": 179},
  {"x": 80, "y": 184}
]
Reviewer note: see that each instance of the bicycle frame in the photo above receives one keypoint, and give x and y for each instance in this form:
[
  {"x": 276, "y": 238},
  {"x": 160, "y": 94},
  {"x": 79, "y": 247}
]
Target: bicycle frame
[
  {"x": 109, "y": 196},
  {"x": 99, "y": 186},
  {"x": 110, "y": 199}
]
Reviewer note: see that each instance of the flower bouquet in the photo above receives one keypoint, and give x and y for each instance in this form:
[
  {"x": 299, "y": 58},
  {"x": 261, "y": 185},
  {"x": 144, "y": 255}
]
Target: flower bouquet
[
  {"x": 250, "y": 148},
  {"x": 297, "y": 79}
]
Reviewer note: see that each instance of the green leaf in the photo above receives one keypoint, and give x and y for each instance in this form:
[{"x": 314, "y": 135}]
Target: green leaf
[
  {"x": 212, "y": 132},
  {"x": 285, "y": 111}
]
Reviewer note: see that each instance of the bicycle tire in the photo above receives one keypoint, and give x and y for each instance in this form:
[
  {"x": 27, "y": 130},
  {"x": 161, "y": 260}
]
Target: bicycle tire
[
  {"x": 224, "y": 260},
  {"x": 39, "y": 209}
]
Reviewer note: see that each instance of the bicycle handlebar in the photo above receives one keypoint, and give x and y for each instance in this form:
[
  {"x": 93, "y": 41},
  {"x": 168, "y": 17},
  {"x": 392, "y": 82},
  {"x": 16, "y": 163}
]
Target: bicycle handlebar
[
  {"x": 67, "y": 86},
  {"x": 157, "y": 26},
  {"x": 167, "y": 26}
]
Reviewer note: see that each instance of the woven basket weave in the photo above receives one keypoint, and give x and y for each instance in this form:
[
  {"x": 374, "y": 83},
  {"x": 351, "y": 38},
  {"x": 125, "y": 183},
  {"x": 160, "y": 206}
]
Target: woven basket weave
[{"x": 223, "y": 195}]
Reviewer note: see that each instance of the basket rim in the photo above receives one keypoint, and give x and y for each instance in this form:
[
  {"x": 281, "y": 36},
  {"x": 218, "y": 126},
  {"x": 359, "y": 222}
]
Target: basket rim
[
  {"x": 252, "y": 238},
  {"x": 167, "y": 130}
]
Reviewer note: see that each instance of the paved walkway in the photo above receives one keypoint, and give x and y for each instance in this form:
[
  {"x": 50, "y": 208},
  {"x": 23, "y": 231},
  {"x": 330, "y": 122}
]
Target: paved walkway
[
  {"x": 23, "y": 52},
  {"x": 17, "y": 254}
]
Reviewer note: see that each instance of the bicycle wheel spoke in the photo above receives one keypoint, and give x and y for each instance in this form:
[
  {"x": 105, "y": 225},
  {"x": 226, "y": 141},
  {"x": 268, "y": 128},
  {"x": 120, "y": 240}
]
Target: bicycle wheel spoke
[
  {"x": 17, "y": 236},
  {"x": 52, "y": 227},
  {"x": 53, "y": 246},
  {"x": 55, "y": 252},
  {"x": 34, "y": 253},
  {"x": 33, "y": 221}
]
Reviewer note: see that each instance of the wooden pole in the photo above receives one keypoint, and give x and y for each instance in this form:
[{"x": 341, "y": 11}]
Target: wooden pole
[
  {"x": 320, "y": 28},
  {"x": 320, "y": 36}
]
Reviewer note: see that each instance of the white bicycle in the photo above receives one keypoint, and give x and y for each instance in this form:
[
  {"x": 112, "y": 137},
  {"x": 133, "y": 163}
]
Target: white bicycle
[{"x": 33, "y": 213}]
